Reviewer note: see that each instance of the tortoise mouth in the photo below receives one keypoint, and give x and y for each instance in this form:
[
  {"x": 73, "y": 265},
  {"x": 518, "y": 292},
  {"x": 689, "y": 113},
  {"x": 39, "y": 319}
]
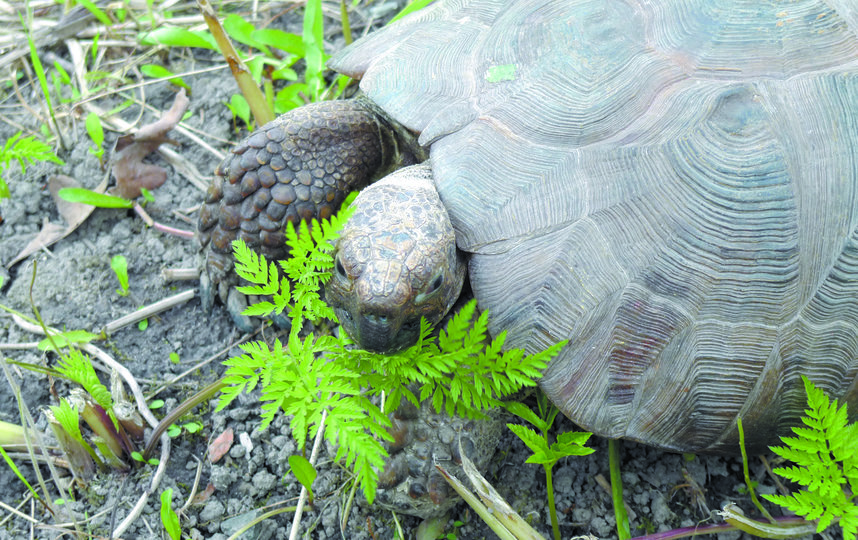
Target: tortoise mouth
[{"x": 386, "y": 335}]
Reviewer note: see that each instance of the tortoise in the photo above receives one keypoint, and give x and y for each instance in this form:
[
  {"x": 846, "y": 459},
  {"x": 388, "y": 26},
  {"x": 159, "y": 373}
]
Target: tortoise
[{"x": 672, "y": 185}]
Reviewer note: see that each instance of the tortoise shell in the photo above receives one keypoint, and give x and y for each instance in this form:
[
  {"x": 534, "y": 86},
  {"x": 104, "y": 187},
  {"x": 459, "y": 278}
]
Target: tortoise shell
[{"x": 672, "y": 185}]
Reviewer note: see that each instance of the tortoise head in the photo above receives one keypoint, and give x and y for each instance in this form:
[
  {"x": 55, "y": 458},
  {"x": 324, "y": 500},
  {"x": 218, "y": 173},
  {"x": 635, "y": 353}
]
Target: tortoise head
[{"x": 396, "y": 261}]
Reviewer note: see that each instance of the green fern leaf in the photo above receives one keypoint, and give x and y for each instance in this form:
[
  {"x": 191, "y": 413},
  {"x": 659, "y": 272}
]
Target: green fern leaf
[{"x": 825, "y": 453}]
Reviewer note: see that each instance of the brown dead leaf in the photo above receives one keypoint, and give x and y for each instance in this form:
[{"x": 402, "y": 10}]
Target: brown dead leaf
[
  {"x": 204, "y": 495},
  {"x": 73, "y": 213},
  {"x": 220, "y": 445},
  {"x": 130, "y": 171}
]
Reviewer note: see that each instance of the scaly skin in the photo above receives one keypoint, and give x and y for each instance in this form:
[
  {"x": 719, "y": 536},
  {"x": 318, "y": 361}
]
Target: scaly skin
[{"x": 298, "y": 166}]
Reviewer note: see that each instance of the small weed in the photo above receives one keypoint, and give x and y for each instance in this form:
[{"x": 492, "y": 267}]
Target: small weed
[
  {"x": 544, "y": 452},
  {"x": 62, "y": 80},
  {"x": 190, "y": 427},
  {"x": 96, "y": 134},
  {"x": 169, "y": 518},
  {"x": 17, "y": 472},
  {"x": 304, "y": 472},
  {"x": 137, "y": 456},
  {"x": 119, "y": 264},
  {"x": 25, "y": 151}
]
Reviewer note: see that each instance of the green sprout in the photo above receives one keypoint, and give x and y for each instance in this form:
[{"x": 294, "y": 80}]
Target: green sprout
[
  {"x": 169, "y": 518},
  {"x": 25, "y": 151},
  {"x": 119, "y": 264},
  {"x": 96, "y": 134},
  {"x": 546, "y": 453}
]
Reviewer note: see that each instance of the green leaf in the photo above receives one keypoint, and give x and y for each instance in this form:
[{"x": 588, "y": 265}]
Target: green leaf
[
  {"x": 825, "y": 456},
  {"x": 157, "y": 71},
  {"x": 240, "y": 108},
  {"x": 410, "y": 8},
  {"x": 95, "y": 131},
  {"x": 285, "y": 41},
  {"x": 533, "y": 440},
  {"x": 17, "y": 472},
  {"x": 304, "y": 472},
  {"x": 169, "y": 518},
  {"x": 525, "y": 413},
  {"x": 100, "y": 200},
  {"x": 63, "y": 339},
  {"x": 96, "y": 12},
  {"x": 242, "y": 31},
  {"x": 119, "y": 264},
  {"x": 173, "y": 36}
]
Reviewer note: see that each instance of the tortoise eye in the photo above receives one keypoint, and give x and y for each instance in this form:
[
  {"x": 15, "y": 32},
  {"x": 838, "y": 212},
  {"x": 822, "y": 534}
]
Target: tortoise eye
[
  {"x": 436, "y": 284},
  {"x": 341, "y": 270}
]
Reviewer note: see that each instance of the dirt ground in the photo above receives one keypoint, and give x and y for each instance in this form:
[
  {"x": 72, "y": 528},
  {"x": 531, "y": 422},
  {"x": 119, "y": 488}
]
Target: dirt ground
[{"x": 74, "y": 288}]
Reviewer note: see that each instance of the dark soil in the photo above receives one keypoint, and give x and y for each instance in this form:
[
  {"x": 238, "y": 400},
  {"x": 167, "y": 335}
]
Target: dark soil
[{"x": 75, "y": 288}]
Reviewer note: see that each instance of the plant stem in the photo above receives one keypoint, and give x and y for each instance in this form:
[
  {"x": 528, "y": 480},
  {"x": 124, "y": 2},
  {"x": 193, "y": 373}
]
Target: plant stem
[
  {"x": 747, "y": 473},
  {"x": 623, "y": 531},
  {"x": 552, "y": 508},
  {"x": 180, "y": 411}
]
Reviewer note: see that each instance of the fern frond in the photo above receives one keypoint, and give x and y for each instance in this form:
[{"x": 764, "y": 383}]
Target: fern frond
[
  {"x": 826, "y": 457},
  {"x": 460, "y": 369},
  {"x": 78, "y": 368}
]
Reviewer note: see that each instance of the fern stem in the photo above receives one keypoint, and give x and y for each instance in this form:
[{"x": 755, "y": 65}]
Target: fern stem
[
  {"x": 623, "y": 531},
  {"x": 745, "y": 470},
  {"x": 552, "y": 507}
]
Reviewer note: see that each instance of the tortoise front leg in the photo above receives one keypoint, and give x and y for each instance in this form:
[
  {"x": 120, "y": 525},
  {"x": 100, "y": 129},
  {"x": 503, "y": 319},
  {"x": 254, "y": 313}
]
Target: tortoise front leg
[{"x": 299, "y": 166}]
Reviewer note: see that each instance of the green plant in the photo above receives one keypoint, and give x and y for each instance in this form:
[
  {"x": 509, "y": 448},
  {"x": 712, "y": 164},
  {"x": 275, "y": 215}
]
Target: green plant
[
  {"x": 304, "y": 472},
  {"x": 100, "y": 200},
  {"x": 169, "y": 518},
  {"x": 40, "y": 75},
  {"x": 156, "y": 71},
  {"x": 60, "y": 79},
  {"x": 826, "y": 457},
  {"x": 140, "y": 458},
  {"x": 96, "y": 133},
  {"x": 191, "y": 427},
  {"x": 240, "y": 109},
  {"x": 17, "y": 472},
  {"x": 27, "y": 150},
  {"x": 119, "y": 264},
  {"x": 546, "y": 453},
  {"x": 96, "y": 12},
  {"x": 460, "y": 370}
]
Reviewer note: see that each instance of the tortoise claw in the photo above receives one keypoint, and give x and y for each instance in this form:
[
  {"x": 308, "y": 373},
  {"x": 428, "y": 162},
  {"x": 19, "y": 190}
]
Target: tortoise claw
[
  {"x": 409, "y": 483},
  {"x": 206, "y": 291},
  {"x": 236, "y": 303}
]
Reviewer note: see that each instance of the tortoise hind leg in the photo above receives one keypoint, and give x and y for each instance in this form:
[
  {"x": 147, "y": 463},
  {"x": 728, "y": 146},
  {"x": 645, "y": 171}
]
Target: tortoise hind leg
[{"x": 298, "y": 166}]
